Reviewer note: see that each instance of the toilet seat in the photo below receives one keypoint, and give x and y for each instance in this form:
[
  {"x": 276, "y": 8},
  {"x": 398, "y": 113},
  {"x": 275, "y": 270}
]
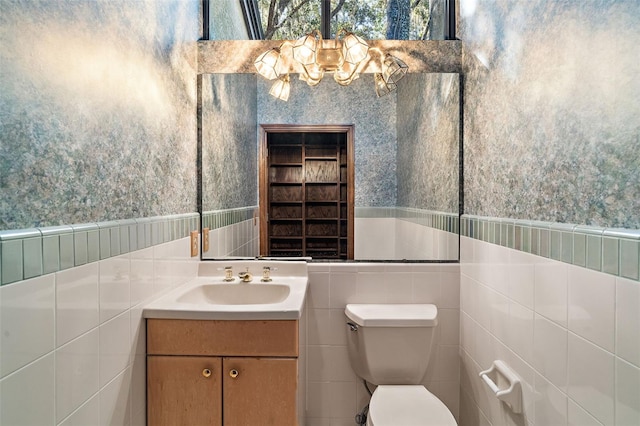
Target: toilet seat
[{"x": 407, "y": 405}]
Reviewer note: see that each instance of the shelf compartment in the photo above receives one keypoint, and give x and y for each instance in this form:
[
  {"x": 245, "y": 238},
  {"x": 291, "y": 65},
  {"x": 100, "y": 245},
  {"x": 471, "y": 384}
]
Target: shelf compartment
[
  {"x": 285, "y": 154},
  {"x": 321, "y": 171},
  {"x": 320, "y": 192},
  {"x": 321, "y": 210},
  {"x": 286, "y": 243},
  {"x": 286, "y": 193},
  {"x": 286, "y": 211},
  {"x": 321, "y": 228},
  {"x": 290, "y": 228},
  {"x": 320, "y": 151},
  {"x": 286, "y": 174},
  {"x": 321, "y": 243}
]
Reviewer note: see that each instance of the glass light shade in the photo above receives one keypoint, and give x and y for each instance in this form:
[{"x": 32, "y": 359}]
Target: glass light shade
[
  {"x": 312, "y": 74},
  {"x": 304, "y": 49},
  {"x": 345, "y": 75},
  {"x": 354, "y": 48},
  {"x": 383, "y": 87},
  {"x": 281, "y": 88},
  {"x": 393, "y": 69},
  {"x": 268, "y": 64}
]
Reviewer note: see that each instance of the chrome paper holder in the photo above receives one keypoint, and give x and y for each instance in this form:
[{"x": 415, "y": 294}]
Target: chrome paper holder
[{"x": 505, "y": 384}]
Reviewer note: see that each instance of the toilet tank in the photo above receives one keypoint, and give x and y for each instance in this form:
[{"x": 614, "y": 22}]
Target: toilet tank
[{"x": 390, "y": 344}]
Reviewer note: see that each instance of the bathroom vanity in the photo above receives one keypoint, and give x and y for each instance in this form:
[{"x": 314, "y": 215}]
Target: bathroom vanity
[
  {"x": 214, "y": 359},
  {"x": 221, "y": 372}
]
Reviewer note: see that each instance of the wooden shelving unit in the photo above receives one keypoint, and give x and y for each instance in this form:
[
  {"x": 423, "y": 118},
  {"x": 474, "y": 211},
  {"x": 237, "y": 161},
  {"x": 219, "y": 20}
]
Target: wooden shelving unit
[{"x": 308, "y": 205}]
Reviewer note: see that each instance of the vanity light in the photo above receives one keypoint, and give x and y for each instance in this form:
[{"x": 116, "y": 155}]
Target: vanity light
[
  {"x": 312, "y": 56},
  {"x": 281, "y": 88}
]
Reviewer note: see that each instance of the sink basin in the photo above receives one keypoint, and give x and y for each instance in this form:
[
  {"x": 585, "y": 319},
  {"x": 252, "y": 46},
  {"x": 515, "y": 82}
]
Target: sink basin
[
  {"x": 209, "y": 297},
  {"x": 236, "y": 294}
]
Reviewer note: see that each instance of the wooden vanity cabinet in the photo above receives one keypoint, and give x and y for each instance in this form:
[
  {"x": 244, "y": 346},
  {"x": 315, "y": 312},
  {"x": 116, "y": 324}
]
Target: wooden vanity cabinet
[{"x": 230, "y": 373}]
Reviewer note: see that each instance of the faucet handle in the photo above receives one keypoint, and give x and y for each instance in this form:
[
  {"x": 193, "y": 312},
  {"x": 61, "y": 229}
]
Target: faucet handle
[
  {"x": 228, "y": 274},
  {"x": 266, "y": 274}
]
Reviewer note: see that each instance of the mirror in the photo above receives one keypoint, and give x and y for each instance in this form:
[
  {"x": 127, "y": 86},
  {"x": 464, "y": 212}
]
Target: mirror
[{"x": 406, "y": 154}]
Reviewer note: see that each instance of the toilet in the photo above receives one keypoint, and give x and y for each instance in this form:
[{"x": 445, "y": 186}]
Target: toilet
[{"x": 389, "y": 346}]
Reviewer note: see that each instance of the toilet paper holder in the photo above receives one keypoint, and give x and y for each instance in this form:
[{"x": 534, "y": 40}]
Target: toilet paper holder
[{"x": 505, "y": 384}]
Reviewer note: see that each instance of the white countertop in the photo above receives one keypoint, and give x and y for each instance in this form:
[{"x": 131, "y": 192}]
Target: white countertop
[{"x": 292, "y": 274}]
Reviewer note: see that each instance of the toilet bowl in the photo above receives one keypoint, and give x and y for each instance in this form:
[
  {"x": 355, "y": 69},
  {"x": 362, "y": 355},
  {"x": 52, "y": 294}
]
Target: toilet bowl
[
  {"x": 389, "y": 346},
  {"x": 407, "y": 405}
]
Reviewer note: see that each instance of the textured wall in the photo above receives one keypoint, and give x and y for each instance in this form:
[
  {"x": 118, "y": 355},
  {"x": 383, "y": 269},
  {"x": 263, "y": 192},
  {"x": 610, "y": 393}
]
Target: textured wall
[
  {"x": 97, "y": 102},
  {"x": 428, "y": 148},
  {"x": 229, "y": 141},
  {"x": 375, "y": 127},
  {"x": 551, "y": 110}
]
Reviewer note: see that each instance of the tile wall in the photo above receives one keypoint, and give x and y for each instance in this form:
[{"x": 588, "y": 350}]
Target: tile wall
[
  {"x": 334, "y": 394},
  {"x": 233, "y": 232},
  {"x": 383, "y": 233},
  {"x": 73, "y": 340},
  {"x": 570, "y": 332}
]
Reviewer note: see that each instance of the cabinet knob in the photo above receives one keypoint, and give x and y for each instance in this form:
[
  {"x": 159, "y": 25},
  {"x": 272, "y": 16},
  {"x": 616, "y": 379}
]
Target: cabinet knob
[
  {"x": 206, "y": 372},
  {"x": 233, "y": 373}
]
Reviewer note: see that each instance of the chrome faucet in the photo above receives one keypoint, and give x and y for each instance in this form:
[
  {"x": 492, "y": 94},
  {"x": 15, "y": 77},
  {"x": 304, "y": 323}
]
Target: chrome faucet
[{"x": 246, "y": 276}]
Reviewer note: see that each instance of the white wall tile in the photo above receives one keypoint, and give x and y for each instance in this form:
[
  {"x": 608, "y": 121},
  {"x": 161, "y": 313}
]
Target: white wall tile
[
  {"x": 590, "y": 378},
  {"x": 331, "y": 399},
  {"x": 115, "y": 347},
  {"x": 521, "y": 331},
  {"x": 550, "y": 404},
  {"x": 114, "y": 401},
  {"x": 329, "y": 364},
  {"x": 327, "y": 327},
  {"x": 138, "y": 389},
  {"x": 446, "y": 363},
  {"x": 77, "y": 302},
  {"x": 449, "y": 393},
  {"x": 427, "y": 288},
  {"x": 141, "y": 275},
  {"x": 115, "y": 288},
  {"x": 342, "y": 289},
  {"x": 579, "y": 417},
  {"x": 591, "y": 306},
  {"x": 88, "y": 414},
  {"x": 450, "y": 288},
  {"x": 27, "y": 326},
  {"x": 499, "y": 316},
  {"x": 318, "y": 290},
  {"x": 449, "y": 326},
  {"x": 550, "y": 351},
  {"x": 371, "y": 287},
  {"x": 628, "y": 320},
  {"x": 551, "y": 291},
  {"x": 28, "y": 394},
  {"x": 77, "y": 372},
  {"x": 627, "y": 394},
  {"x": 521, "y": 278}
]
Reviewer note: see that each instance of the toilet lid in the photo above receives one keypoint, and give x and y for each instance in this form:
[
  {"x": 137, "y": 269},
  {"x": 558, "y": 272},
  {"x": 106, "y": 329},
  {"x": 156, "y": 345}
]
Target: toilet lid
[{"x": 407, "y": 405}]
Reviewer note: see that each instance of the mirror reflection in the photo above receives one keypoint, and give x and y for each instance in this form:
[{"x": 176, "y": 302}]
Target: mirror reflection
[{"x": 405, "y": 156}]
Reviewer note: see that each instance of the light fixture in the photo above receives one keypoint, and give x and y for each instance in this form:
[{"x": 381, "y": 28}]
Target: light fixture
[
  {"x": 281, "y": 88},
  {"x": 312, "y": 56}
]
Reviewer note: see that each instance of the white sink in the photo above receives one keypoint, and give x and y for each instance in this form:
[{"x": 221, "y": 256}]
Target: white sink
[
  {"x": 209, "y": 297},
  {"x": 236, "y": 294}
]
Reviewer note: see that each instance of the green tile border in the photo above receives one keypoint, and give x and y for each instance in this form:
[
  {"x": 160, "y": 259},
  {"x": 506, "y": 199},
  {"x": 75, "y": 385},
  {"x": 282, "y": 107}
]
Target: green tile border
[
  {"x": 29, "y": 253},
  {"x": 610, "y": 250},
  {"x": 215, "y": 219},
  {"x": 448, "y": 222}
]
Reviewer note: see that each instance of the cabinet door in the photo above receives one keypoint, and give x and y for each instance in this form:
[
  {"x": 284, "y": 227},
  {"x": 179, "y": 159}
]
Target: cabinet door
[
  {"x": 263, "y": 391},
  {"x": 184, "y": 390}
]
